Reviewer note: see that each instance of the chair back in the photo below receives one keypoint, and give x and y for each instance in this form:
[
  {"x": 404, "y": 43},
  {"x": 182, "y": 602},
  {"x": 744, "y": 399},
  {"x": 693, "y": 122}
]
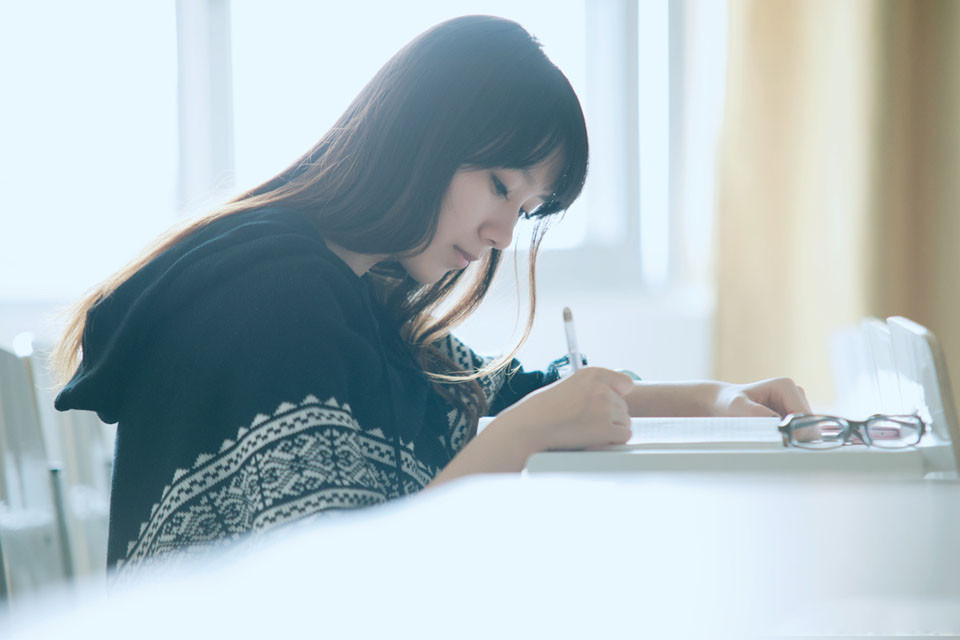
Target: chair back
[
  {"x": 923, "y": 369},
  {"x": 886, "y": 377},
  {"x": 30, "y": 534},
  {"x": 81, "y": 445}
]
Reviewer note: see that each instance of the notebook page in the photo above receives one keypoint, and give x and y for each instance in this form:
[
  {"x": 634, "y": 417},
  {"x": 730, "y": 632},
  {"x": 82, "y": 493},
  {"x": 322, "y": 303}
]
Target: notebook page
[{"x": 698, "y": 431}]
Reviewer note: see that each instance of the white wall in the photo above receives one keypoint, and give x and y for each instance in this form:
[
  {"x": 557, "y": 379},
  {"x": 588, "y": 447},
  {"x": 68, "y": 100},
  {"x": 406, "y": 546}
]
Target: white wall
[
  {"x": 38, "y": 318},
  {"x": 665, "y": 336},
  {"x": 659, "y": 339}
]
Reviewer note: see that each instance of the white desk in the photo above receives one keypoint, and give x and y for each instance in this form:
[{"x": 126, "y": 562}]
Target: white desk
[
  {"x": 930, "y": 459},
  {"x": 933, "y": 458}
]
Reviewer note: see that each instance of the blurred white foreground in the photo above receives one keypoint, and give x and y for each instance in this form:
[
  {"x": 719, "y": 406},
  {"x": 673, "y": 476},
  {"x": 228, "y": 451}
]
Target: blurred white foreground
[{"x": 642, "y": 555}]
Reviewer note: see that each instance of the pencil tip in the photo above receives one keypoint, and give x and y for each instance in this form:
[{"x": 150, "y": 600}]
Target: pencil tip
[{"x": 567, "y": 315}]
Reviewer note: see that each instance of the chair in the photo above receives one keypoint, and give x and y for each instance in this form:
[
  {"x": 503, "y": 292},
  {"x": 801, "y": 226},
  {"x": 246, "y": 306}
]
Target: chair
[
  {"x": 924, "y": 376},
  {"x": 80, "y": 444},
  {"x": 855, "y": 379},
  {"x": 877, "y": 334},
  {"x": 32, "y": 542}
]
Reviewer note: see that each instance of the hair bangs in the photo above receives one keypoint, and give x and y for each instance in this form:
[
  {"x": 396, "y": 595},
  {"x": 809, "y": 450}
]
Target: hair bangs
[{"x": 528, "y": 134}]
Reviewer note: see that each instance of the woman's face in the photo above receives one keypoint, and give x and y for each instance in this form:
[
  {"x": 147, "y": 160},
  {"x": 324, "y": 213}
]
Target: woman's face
[{"x": 479, "y": 211}]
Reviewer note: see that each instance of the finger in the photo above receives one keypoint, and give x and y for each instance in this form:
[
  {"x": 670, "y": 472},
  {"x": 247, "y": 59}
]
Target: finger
[
  {"x": 793, "y": 399},
  {"x": 617, "y": 435},
  {"x": 806, "y": 403},
  {"x": 622, "y": 435},
  {"x": 619, "y": 411},
  {"x": 779, "y": 394},
  {"x": 619, "y": 382},
  {"x": 754, "y": 409}
]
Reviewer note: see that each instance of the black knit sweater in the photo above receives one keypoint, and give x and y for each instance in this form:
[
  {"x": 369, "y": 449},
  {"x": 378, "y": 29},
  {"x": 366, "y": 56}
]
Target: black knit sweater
[{"x": 255, "y": 382}]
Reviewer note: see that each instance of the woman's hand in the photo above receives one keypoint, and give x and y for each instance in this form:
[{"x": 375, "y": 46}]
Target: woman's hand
[
  {"x": 774, "y": 397},
  {"x": 592, "y": 408},
  {"x": 584, "y": 410}
]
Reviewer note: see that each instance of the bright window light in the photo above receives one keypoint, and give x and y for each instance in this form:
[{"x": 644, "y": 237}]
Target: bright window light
[
  {"x": 654, "y": 125},
  {"x": 88, "y": 140}
]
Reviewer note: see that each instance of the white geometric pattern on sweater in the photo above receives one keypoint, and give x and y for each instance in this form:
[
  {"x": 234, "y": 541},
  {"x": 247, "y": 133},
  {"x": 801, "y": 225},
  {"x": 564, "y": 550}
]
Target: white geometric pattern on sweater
[
  {"x": 304, "y": 459},
  {"x": 468, "y": 360}
]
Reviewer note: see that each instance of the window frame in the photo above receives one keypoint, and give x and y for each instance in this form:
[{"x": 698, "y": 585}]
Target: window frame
[{"x": 613, "y": 32}]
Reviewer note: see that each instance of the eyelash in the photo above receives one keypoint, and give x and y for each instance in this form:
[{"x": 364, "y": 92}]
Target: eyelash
[{"x": 503, "y": 192}]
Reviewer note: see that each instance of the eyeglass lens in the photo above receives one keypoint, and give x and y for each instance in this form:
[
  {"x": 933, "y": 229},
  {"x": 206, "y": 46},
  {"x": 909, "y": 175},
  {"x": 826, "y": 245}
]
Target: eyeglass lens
[
  {"x": 893, "y": 432},
  {"x": 817, "y": 432}
]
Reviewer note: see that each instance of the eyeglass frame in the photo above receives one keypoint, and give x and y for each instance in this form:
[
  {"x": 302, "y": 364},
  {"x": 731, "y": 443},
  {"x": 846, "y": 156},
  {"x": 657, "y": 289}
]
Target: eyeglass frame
[{"x": 852, "y": 428}]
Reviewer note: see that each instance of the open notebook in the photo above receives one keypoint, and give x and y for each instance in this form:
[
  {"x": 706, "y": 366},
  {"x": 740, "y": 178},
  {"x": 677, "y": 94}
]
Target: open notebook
[{"x": 707, "y": 433}]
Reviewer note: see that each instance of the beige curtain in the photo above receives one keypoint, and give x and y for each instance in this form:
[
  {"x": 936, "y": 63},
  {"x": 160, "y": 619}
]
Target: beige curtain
[{"x": 838, "y": 180}]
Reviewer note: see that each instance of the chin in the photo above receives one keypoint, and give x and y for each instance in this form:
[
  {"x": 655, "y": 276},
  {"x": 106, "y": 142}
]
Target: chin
[{"x": 424, "y": 276}]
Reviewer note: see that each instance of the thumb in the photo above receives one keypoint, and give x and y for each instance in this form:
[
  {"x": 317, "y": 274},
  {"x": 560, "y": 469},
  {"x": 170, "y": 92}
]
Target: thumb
[{"x": 619, "y": 382}]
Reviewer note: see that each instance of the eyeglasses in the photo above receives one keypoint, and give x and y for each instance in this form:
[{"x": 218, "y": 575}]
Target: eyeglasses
[{"x": 830, "y": 432}]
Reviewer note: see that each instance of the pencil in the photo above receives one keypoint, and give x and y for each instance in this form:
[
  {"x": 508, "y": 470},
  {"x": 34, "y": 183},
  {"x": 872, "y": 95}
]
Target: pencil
[{"x": 573, "y": 353}]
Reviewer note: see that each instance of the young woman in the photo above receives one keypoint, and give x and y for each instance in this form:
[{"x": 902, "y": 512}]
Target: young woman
[{"x": 282, "y": 357}]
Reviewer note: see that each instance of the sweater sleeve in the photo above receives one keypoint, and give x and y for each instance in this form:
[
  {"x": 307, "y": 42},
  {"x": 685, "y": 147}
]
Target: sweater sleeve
[{"x": 504, "y": 387}]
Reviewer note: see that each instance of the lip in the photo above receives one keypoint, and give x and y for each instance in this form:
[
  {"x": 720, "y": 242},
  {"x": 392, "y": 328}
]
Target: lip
[{"x": 467, "y": 257}]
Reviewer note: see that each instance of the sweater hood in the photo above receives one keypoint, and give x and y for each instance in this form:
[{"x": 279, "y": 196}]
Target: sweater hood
[{"x": 119, "y": 329}]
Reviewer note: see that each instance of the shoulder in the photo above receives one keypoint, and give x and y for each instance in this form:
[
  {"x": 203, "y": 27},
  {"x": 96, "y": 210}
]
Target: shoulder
[
  {"x": 262, "y": 310},
  {"x": 262, "y": 291},
  {"x": 253, "y": 294},
  {"x": 262, "y": 260}
]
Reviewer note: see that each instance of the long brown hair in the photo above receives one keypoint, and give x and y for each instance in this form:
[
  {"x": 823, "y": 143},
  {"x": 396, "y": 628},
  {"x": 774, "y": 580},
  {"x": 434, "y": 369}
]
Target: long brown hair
[{"x": 475, "y": 91}]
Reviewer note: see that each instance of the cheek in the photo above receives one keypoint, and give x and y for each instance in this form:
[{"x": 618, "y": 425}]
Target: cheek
[
  {"x": 463, "y": 204},
  {"x": 453, "y": 217}
]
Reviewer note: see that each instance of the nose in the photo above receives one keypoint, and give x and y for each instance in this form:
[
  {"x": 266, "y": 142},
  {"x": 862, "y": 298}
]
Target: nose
[{"x": 497, "y": 231}]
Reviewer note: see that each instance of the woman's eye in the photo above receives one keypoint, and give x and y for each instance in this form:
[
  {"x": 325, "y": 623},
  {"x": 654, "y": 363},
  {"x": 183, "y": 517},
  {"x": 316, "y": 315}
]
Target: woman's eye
[
  {"x": 498, "y": 186},
  {"x": 503, "y": 192}
]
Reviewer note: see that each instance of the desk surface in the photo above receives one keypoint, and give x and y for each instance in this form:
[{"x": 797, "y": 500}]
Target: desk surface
[
  {"x": 931, "y": 459},
  {"x": 635, "y": 555}
]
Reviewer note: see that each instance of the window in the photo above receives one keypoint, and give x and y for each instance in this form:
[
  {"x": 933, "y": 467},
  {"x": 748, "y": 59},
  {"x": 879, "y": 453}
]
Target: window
[
  {"x": 286, "y": 93},
  {"x": 88, "y": 140},
  {"x": 649, "y": 75}
]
